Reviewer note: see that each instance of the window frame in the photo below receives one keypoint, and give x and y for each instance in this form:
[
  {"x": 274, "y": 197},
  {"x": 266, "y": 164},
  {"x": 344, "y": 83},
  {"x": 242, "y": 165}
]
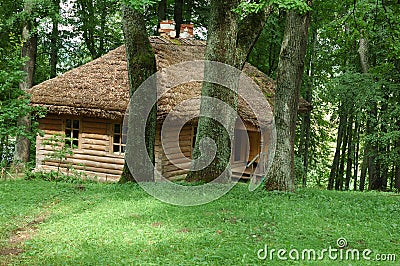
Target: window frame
[
  {"x": 72, "y": 128},
  {"x": 121, "y": 135}
]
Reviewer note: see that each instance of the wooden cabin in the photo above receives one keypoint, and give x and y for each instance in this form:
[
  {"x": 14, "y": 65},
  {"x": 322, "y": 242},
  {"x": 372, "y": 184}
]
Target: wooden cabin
[{"x": 88, "y": 104}]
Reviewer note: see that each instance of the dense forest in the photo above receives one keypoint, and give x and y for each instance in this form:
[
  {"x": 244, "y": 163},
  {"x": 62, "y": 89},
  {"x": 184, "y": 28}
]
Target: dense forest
[{"x": 349, "y": 141}]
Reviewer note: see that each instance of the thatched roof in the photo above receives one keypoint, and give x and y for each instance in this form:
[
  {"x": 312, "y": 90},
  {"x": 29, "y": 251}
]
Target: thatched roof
[{"x": 101, "y": 88}]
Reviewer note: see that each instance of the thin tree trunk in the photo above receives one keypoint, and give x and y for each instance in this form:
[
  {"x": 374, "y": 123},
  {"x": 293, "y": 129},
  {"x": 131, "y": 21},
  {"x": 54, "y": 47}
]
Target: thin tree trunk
[
  {"x": 29, "y": 50},
  {"x": 340, "y": 174},
  {"x": 102, "y": 37},
  {"x": 54, "y": 40},
  {"x": 178, "y": 16},
  {"x": 161, "y": 12},
  {"x": 350, "y": 154},
  {"x": 307, "y": 116},
  {"x": 397, "y": 171},
  {"x": 289, "y": 78},
  {"x": 356, "y": 153},
  {"x": 335, "y": 164},
  {"x": 374, "y": 180},
  {"x": 364, "y": 167},
  {"x": 397, "y": 178},
  {"x": 141, "y": 65}
]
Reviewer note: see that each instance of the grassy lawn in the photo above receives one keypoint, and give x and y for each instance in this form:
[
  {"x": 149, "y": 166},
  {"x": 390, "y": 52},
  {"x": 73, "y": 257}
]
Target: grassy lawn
[{"x": 111, "y": 224}]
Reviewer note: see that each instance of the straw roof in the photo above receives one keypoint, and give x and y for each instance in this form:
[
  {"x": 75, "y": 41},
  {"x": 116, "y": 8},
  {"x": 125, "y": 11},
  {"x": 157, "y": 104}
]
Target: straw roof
[{"x": 101, "y": 88}]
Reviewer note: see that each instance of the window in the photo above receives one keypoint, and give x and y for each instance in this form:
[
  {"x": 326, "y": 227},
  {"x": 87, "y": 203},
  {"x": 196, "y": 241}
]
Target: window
[
  {"x": 72, "y": 127},
  {"x": 119, "y": 139}
]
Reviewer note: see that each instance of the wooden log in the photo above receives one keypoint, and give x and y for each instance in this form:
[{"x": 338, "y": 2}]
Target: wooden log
[
  {"x": 89, "y": 163},
  {"x": 171, "y": 168},
  {"x": 178, "y": 156},
  {"x": 103, "y": 121},
  {"x": 100, "y": 159},
  {"x": 94, "y": 130},
  {"x": 88, "y": 168},
  {"x": 49, "y": 132},
  {"x": 50, "y": 127},
  {"x": 99, "y": 153},
  {"x": 178, "y": 161},
  {"x": 177, "y": 150},
  {"x": 95, "y": 136},
  {"x": 51, "y": 121},
  {"x": 102, "y": 177},
  {"x": 95, "y": 147},
  {"x": 168, "y": 175},
  {"x": 96, "y": 142},
  {"x": 97, "y": 124}
]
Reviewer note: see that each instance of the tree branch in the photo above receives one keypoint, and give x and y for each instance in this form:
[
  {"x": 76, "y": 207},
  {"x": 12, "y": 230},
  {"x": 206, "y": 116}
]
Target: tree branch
[{"x": 249, "y": 31}]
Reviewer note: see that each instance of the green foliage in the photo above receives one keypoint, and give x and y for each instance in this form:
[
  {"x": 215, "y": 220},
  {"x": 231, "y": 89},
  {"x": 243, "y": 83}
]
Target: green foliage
[
  {"x": 73, "y": 177},
  {"x": 14, "y": 103},
  {"x": 60, "y": 149},
  {"x": 246, "y": 7},
  {"x": 111, "y": 224},
  {"x": 140, "y": 5}
]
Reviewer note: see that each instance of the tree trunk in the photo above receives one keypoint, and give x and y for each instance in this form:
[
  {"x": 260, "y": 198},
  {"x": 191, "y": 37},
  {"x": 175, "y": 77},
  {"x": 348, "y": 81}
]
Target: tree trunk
[
  {"x": 29, "y": 50},
  {"x": 340, "y": 174},
  {"x": 350, "y": 154},
  {"x": 54, "y": 40},
  {"x": 397, "y": 178},
  {"x": 364, "y": 169},
  {"x": 374, "y": 179},
  {"x": 86, "y": 8},
  {"x": 289, "y": 78},
  {"x": 161, "y": 12},
  {"x": 335, "y": 164},
  {"x": 221, "y": 47},
  {"x": 397, "y": 171},
  {"x": 356, "y": 153},
  {"x": 178, "y": 16},
  {"x": 229, "y": 42},
  {"x": 141, "y": 65}
]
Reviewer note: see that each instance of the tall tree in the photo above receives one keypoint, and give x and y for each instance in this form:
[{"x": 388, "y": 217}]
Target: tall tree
[
  {"x": 289, "y": 78},
  {"x": 29, "y": 50},
  {"x": 141, "y": 65},
  {"x": 229, "y": 41}
]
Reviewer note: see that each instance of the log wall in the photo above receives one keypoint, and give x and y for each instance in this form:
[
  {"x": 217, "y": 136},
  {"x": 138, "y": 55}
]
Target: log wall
[{"x": 94, "y": 156}]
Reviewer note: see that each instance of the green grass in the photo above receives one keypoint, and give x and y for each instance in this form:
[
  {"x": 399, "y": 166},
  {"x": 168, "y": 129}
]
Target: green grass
[{"x": 111, "y": 224}]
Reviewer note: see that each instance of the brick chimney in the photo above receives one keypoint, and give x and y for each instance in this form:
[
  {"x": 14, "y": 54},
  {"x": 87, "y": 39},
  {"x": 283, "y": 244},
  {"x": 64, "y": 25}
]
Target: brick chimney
[{"x": 168, "y": 28}]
